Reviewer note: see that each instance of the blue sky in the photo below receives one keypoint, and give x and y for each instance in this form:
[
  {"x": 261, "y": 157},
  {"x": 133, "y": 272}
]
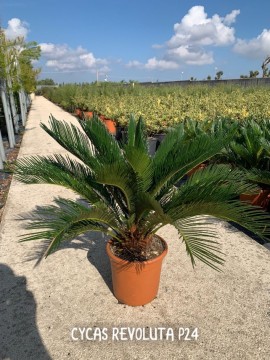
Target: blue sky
[{"x": 144, "y": 40}]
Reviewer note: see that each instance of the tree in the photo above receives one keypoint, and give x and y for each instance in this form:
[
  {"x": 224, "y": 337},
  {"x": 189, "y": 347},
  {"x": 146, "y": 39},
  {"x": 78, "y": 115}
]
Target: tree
[
  {"x": 253, "y": 74},
  {"x": 46, "y": 82},
  {"x": 243, "y": 77},
  {"x": 219, "y": 75},
  {"x": 16, "y": 58},
  {"x": 209, "y": 77}
]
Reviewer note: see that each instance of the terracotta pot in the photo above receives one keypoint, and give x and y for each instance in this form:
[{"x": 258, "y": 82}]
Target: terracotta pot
[
  {"x": 88, "y": 114},
  {"x": 110, "y": 124},
  {"x": 260, "y": 199},
  {"x": 78, "y": 112},
  {"x": 135, "y": 283},
  {"x": 248, "y": 197}
]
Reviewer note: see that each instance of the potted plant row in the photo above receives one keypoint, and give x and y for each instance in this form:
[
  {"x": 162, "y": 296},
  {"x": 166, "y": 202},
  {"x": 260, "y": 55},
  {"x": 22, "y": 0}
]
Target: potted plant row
[{"x": 129, "y": 195}]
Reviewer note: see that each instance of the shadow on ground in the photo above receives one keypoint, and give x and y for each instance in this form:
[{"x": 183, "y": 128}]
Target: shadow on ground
[{"x": 19, "y": 335}]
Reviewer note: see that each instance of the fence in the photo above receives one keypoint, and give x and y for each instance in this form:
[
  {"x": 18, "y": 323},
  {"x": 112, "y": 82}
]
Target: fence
[{"x": 250, "y": 82}]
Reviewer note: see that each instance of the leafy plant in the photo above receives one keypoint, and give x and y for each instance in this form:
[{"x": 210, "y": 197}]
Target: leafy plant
[
  {"x": 129, "y": 195},
  {"x": 250, "y": 147}
]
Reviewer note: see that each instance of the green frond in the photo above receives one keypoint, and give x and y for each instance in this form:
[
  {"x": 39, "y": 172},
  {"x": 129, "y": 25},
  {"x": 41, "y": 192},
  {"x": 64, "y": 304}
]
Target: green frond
[
  {"x": 250, "y": 217},
  {"x": 131, "y": 131},
  {"x": 58, "y": 170},
  {"x": 136, "y": 153},
  {"x": 214, "y": 183},
  {"x": 140, "y": 142},
  {"x": 198, "y": 236},
  {"x": 121, "y": 177},
  {"x": 69, "y": 219},
  {"x": 183, "y": 158},
  {"x": 258, "y": 176},
  {"x": 72, "y": 139},
  {"x": 147, "y": 206},
  {"x": 106, "y": 148}
]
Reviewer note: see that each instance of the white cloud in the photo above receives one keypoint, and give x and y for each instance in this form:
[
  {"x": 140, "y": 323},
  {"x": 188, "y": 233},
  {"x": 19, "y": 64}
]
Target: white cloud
[
  {"x": 191, "y": 55},
  {"x": 192, "y": 35},
  {"x": 231, "y": 18},
  {"x": 135, "y": 64},
  {"x": 62, "y": 57},
  {"x": 197, "y": 29},
  {"x": 16, "y": 27},
  {"x": 153, "y": 64},
  {"x": 257, "y": 48}
]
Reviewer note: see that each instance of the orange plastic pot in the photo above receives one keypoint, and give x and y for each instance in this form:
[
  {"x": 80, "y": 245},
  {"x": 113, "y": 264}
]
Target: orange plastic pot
[
  {"x": 88, "y": 114},
  {"x": 135, "y": 283},
  {"x": 260, "y": 199},
  {"x": 110, "y": 125},
  {"x": 250, "y": 198}
]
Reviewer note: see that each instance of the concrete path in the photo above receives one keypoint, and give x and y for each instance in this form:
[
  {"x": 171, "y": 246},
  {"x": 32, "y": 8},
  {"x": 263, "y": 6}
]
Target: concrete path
[{"x": 42, "y": 306}]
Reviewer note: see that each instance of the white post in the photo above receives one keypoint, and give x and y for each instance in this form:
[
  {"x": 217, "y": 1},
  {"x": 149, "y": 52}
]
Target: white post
[
  {"x": 15, "y": 115},
  {"x": 10, "y": 131},
  {"x": 2, "y": 152},
  {"x": 22, "y": 106}
]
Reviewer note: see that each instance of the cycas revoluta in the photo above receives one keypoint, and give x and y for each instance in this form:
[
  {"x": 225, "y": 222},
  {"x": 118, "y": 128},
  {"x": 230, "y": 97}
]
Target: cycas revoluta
[{"x": 130, "y": 195}]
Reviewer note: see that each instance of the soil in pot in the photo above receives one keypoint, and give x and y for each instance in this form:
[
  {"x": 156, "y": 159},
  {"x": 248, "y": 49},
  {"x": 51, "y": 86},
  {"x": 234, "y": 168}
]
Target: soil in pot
[{"x": 136, "y": 283}]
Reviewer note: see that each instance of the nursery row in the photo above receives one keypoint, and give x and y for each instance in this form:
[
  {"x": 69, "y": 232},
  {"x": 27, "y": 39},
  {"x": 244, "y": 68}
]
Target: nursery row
[{"x": 163, "y": 107}]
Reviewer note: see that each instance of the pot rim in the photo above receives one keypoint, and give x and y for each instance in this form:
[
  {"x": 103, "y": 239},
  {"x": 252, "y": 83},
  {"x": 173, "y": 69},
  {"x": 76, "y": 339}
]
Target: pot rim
[{"x": 126, "y": 262}]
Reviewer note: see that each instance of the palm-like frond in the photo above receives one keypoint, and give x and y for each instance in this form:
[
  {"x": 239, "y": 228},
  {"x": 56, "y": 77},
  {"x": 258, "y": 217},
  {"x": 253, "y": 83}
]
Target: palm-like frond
[
  {"x": 72, "y": 139},
  {"x": 130, "y": 195},
  {"x": 106, "y": 149},
  {"x": 69, "y": 219},
  {"x": 199, "y": 238},
  {"x": 258, "y": 176},
  {"x": 182, "y": 156}
]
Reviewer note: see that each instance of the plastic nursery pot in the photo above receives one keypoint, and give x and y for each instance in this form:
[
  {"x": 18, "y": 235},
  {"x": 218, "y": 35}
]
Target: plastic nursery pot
[
  {"x": 260, "y": 199},
  {"x": 110, "y": 124},
  {"x": 152, "y": 146},
  {"x": 160, "y": 138},
  {"x": 135, "y": 283},
  {"x": 88, "y": 114}
]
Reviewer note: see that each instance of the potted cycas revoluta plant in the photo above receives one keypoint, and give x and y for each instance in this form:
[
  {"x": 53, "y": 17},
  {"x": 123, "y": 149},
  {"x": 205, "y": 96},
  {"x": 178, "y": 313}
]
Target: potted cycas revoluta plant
[
  {"x": 130, "y": 195},
  {"x": 250, "y": 150}
]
